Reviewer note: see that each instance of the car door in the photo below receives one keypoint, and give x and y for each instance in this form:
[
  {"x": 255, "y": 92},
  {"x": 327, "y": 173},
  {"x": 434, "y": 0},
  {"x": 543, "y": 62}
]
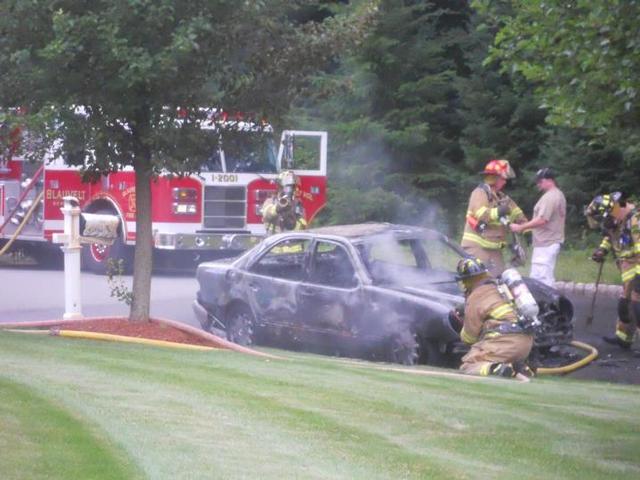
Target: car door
[
  {"x": 330, "y": 295},
  {"x": 271, "y": 281}
]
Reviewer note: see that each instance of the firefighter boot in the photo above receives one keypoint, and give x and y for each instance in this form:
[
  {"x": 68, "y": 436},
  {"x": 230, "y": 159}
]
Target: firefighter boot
[
  {"x": 523, "y": 368},
  {"x": 618, "y": 340},
  {"x": 502, "y": 370},
  {"x": 623, "y": 337}
]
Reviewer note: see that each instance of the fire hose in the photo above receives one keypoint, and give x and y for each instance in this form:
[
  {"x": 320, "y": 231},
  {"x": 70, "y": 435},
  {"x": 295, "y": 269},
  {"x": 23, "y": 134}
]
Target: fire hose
[
  {"x": 593, "y": 354},
  {"x": 26, "y": 218}
]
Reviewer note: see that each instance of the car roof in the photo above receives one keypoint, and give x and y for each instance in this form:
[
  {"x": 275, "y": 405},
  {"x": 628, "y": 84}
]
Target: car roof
[{"x": 361, "y": 231}]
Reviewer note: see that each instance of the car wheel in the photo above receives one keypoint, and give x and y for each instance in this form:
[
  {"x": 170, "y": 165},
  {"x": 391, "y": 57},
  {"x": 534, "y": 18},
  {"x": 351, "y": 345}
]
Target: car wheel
[
  {"x": 432, "y": 354},
  {"x": 240, "y": 323},
  {"x": 404, "y": 349}
]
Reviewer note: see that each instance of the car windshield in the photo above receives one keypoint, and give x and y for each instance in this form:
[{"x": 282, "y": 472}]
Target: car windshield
[{"x": 392, "y": 259}]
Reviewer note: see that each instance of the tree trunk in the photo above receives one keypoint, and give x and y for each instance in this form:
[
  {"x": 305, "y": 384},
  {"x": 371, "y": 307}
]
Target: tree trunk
[{"x": 143, "y": 260}]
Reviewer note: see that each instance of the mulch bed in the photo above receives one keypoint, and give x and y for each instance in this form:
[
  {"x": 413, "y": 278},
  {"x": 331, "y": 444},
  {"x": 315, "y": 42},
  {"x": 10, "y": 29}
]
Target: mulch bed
[{"x": 152, "y": 330}]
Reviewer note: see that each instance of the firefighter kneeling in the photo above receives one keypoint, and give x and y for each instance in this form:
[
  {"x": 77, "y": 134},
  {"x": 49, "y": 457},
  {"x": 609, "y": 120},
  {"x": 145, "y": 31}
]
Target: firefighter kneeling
[{"x": 500, "y": 344}]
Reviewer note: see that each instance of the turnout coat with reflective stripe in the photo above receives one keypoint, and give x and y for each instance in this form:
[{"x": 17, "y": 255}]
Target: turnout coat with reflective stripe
[
  {"x": 624, "y": 241},
  {"x": 484, "y": 310},
  {"x": 483, "y": 210}
]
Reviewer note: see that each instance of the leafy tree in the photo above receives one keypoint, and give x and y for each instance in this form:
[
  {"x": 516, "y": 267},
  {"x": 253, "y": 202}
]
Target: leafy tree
[
  {"x": 502, "y": 119},
  {"x": 132, "y": 64},
  {"x": 583, "y": 56},
  {"x": 394, "y": 114}
]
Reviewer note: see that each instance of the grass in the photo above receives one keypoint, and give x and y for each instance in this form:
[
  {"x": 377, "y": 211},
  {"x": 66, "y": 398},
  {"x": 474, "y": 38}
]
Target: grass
[
  {"x": 142, "y": 412},
  {"x": 577, "y": 266}
]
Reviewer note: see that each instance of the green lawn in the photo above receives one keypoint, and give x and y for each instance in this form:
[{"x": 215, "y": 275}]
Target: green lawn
[
  {"x": 82, "y": 409},
  {"x": 577, "y": 266}
]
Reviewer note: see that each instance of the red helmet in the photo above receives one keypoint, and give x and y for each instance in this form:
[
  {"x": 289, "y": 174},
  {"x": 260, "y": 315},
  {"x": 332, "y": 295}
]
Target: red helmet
[{"x": 499, "y": 168}]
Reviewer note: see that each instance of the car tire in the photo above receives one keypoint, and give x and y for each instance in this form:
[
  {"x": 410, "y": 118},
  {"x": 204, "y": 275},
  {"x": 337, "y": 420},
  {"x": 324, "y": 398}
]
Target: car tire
[
  {"x": 240, "y": 322},
  {"x": 403, "y": 348},
  {"x": 95, "y": 257},
  {"x": 433, "y": 355}
]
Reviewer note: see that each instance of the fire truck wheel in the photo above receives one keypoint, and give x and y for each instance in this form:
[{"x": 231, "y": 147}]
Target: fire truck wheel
[{"x": 95, "y": 257}]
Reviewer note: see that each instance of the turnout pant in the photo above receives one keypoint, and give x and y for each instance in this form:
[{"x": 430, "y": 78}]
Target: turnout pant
[
  {"x": 491, "y": 258},
  {"x": 496, "y": 349},
  {"x": 629, "y": 303}
]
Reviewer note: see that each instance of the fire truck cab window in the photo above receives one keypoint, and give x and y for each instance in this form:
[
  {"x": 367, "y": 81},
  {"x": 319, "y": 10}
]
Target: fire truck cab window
[{"x": 249, "y": 152}]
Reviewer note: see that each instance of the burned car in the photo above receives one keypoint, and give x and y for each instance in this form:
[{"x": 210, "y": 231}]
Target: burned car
[{"x": 376, "y": 290}]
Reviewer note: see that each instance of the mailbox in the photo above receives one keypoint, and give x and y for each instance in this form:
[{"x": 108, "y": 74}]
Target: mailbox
[{"x": 98, "y": 228}]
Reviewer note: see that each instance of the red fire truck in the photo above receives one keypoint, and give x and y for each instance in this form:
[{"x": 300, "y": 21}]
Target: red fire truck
[{"x": 213, "y": 214}]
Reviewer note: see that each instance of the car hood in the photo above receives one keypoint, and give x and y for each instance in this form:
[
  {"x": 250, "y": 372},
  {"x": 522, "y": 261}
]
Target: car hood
[
  {"x": 430, "y": 281},
  {"x": 433, "y": 285}
]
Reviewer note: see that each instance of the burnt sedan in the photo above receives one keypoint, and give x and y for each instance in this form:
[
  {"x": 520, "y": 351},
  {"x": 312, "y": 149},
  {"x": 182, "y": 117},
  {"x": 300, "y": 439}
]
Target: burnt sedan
[{"x": 374, "y": 290}]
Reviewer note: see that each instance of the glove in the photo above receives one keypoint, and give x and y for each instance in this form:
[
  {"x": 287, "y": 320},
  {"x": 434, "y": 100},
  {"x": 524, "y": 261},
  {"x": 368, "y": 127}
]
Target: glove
[
  {"x": 599, "y": 255},
  {"x": 503, "y": 210}
]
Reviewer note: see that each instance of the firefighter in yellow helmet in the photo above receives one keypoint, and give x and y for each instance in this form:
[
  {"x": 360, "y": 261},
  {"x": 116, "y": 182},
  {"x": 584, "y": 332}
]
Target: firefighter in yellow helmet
[
  {"x": 489, "y": 214},
  {"x": 284, "y": 211},
  {"x": 500, "y": 346},
  {"x": 619, "y": 222}
]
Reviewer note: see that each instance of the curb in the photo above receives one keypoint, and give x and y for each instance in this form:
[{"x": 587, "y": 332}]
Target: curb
[
  {"x": 218, "y": 341},
  {"x": 588, "y": 289}
]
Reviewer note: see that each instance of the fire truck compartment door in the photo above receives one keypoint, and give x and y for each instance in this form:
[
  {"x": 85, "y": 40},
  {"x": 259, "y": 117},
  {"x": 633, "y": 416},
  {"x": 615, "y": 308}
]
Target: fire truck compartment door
[{"x": 304, "y": 152}]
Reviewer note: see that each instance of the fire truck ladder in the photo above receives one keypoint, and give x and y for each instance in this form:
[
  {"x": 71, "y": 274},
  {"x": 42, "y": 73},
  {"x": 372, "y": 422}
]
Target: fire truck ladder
[{"x": 29, "y": 213}]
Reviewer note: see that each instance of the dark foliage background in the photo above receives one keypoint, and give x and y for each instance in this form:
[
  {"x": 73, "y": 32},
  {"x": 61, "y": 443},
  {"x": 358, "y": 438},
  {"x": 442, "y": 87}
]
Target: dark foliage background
[{"x": 416, "y": 112}]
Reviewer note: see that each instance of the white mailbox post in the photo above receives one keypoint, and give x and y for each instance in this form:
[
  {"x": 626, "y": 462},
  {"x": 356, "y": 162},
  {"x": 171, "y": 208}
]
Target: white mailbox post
[
  {"x": 71, "y": 248},
  {"x": 98, "y": 228}
]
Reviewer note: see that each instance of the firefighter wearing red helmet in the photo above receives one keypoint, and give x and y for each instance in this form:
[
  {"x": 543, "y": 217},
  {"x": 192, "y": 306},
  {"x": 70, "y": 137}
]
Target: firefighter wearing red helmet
[
  {"x": 489, "y": 214},
  {"x": 500, "y": 346},
  {"x": 619, "y": 222}
]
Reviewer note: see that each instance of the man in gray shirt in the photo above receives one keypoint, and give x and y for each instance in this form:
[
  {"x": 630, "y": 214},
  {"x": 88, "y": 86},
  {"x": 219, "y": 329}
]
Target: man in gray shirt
[{"x": 547, "y": 224}]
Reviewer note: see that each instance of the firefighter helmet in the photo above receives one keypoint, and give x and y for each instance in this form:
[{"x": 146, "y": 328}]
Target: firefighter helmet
[
  {"x": 601, "y": 207},
  {"x": 288, "y": 182},
  {"x": 470, "y": 267},
  {"x": 499, "y": 168}
]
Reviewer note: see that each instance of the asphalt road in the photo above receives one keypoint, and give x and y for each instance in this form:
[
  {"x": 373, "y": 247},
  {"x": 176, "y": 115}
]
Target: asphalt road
[
  {"x": 613, "y": 364},
  {"x": 28, "y": 293}
]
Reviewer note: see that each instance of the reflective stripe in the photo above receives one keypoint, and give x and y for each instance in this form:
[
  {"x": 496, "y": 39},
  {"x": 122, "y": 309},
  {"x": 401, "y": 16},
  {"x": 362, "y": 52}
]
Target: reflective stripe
[
  {"x": 501, "y": 311},
  {"x": 484, "y": 243},
  {"x": 631, "y": 252},
  {"x": 493, "y": 214},
  {"x": 484, "y": 370},
  {"x": 479, "y": 212},
  {"x": 467, "y": 337},
  {"x": 515, "y": 213},
  {"x": 623, "y": 336},
  {"x": 492, "y": 334},
  {"x": 605, "y": 243},
  {"x": 627, "y": 275}
]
